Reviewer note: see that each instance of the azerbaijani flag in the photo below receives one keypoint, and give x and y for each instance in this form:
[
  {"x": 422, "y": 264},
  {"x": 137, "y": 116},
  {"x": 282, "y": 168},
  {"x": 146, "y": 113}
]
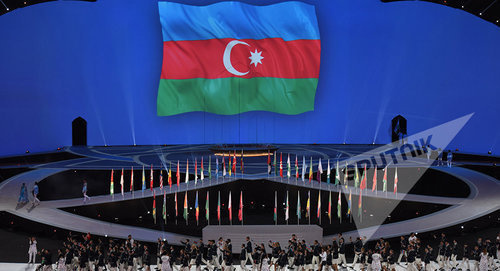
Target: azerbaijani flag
[{"x": 217, "y": 55}]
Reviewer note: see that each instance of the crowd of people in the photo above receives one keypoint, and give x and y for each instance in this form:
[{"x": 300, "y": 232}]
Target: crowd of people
[{"x": 85, "y": 253}]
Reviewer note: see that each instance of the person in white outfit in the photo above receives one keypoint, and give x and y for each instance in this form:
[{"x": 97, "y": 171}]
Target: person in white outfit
[
  {"x": 165, "y": 262},
  {"x": 376, "y": 265},
  {"x": 265, "y": 263},
  {"x": 483, "y": 263},
  {"x": 32, "y": 251}
]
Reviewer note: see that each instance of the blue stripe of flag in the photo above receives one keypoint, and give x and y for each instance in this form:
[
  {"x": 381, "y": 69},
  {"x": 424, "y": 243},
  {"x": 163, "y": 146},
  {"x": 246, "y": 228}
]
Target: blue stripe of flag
[{"x": 287, "y": 20}]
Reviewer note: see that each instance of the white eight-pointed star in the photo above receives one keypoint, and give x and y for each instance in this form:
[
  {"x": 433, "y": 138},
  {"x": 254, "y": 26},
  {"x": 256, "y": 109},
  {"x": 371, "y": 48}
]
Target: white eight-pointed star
[{"x": 255, "y": 57}]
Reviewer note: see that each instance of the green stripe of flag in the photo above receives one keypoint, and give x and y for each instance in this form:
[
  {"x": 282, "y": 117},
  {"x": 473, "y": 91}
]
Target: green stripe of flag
[{"x": 223, "y": 95}]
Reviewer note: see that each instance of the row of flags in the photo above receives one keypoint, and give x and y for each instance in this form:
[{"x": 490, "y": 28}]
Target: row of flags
[
  {"x": 240, "y": 208},
  {"x": 330, "y": 207},
  {"x": 197, "y": 208},
  {"x": 358, "y": 182}
]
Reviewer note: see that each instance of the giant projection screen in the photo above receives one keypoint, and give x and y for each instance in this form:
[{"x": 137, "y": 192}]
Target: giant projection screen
[{"x": 103, "y": 61}]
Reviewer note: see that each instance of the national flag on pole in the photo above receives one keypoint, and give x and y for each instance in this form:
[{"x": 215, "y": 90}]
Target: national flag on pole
[
  {"x": 207, "y": 207},
  {"x": 330, "y": 207},
  {"x": 281, "y": 164},
  {"x": 165, "y": 206},
  {"x": 218, "y": 207},
  {"x": 195, "y": 171},
  {"x": 268, "y": 162},
  {"x": 151, "y": 185},
  {"x": 319, "y": 204},
  {"x": 178, "y": 175},
  {"x": 234, "y": 163},
  {"x": 223, "y": 165},
  {"x": 210, "y": 167},
  {"x": 337, "y": 174},
  {"x": 275, "y": 207},
  {"x": 143, "y": 180},
  {"x": 346, "y": 174},
  {"x": 299, "y": 213},
  {"x": 360, "y": 204},
  {"x": 287, "y": 207},
  {"x": 161, "y": 179},
  {"x": 356, "y": 175},
  {"x": 230, "y": 208},
  {"x": 240, "y": 211},
  {"x": 374, "y": 186},
  {"x": 288, "y": 168},
  {"x": 186, "y": 180},
  {"x": 274, "y": 164},
  {"x": 296, "y": 167},
  {"x": 122, "y": 184},
  {"x": 202, "y": 175},
  {"x": 303, "y": 168},
  {"x": 176, "y": 210},
  {"x": 311, "y": 170},
  {"x": 241, "y": 162},
  {"x": 111, "y": 185},
  {"x": 320, "y": 171},
  {"x": 154, "y": 207},
  {"x": 328, "y": 172},
  {"x": 197, "y": 208},
  {"x": 363, "y": 179},
  {"x": 339, "y": 206},
  {"x": 217, "y": 167},
  {"x": 349, "y": 204},
  {"x": 170, "y": 176},
  {"x": 132, "y": 180},
  {"x": 230, "y": 166},
  {"x": 186, "y": 214},
  {"x": 396, "y": 181},
  {"x": 207, "y": 58},
  {"x": 308, "y": 204},
  {"x": 384, "y": 180}
]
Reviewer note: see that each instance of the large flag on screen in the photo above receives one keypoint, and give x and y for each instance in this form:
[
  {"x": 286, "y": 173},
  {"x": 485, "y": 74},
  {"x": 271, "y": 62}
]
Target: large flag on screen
[{"x": 232, "y": 57}]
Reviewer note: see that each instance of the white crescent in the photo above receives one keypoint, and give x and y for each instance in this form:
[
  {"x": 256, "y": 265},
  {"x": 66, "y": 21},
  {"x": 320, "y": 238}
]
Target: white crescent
[{"x": 227, "y": 57}]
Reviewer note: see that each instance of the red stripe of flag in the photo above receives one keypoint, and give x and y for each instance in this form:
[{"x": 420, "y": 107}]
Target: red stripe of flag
[{"x": 204, "y": 58}]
